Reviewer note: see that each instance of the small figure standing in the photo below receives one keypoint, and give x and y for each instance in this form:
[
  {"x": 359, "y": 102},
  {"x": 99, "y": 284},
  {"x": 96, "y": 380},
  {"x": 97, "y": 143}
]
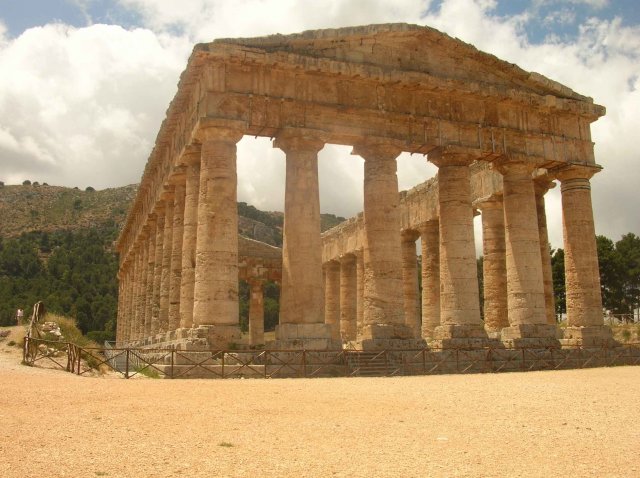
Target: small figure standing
[{"x": 19, "y": 316}]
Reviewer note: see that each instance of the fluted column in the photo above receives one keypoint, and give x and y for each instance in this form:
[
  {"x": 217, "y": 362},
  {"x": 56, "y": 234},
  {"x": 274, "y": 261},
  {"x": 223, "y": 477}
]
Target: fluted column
[
  {"x": 151, "y": 270},
  {"x": 459, "y": 295},
  {"x": 383, "y": 286},
  {"x": 302, "y": 292},
  {"x": 348, "y": 290},
  {"x": 142, "y": 305},
  {"x": 332, "y": 298},
  {"x": 359, "y": 292},
  {"x": 120, "y": 313},
  {"x": 256, "y": 312},
  {"x": 494, "y": 268},
  {"x": 157, "y": 274},
  {"x": 410, "y": 284},
  {"x": 541, "y": 186},
  {"x": 585, "y": 321},
  {"x": 430, "y": 239},
  {"x": 176, "y": 253},
  {"x": 167, "y": 242},
  {"x": 216, "y": 274},
  {"x": 137, "y": 290},
  {"x": 126, "y": 299},
  {"x": 189, "y": 235}
]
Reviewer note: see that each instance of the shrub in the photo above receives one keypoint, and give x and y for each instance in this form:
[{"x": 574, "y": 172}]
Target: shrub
[
  {"x": 26, "y": 182},
  {"x": 89, "y": 189}
]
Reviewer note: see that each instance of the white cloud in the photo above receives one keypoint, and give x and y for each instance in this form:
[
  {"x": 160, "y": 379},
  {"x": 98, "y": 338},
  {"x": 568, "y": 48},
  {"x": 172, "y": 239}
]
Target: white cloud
[{"x": 83, "y": 106}]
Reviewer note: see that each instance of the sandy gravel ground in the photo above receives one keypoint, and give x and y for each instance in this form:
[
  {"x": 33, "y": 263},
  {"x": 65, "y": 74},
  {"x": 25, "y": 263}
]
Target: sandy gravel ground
[{"x": 567, "y": 423}]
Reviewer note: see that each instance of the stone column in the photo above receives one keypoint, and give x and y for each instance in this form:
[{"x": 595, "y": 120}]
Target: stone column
[
  {"x": 126, "y": 299},
  {"x": 411, "y": 290},
  {"x": 541, "y": 186},
  {"x": 430, "y": 239},
  {"x": 157, "y": 274},
  {"x": 332, "y": 298},
  {"x": 189, "y": 235},
  {"x": 120, "y": 312},
  {"x": 151, "y": 271},
  {"x": 525, "y": 289},
  {"x": 142, "y": 304},
  {"x": 359, "y": 292},
  {"x": 256, "y": 312},
  {"x": 167, "y": 242},
  {"x": 215, "y": 303},
  {"x": 176, "y": 252},
  {"x": 384, "y": 322},
  {"x": 461, "y": 325},
  {"x": 348, "y": 291},
  {"x": 585, "y": 320},
  {"x": 137, "y": 290},
  {"x": 302, "y": 293},
  {"x": 494, "y": 270}
]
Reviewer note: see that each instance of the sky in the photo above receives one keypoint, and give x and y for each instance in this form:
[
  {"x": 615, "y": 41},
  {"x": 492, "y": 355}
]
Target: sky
[{"x": 85, "y": 84}]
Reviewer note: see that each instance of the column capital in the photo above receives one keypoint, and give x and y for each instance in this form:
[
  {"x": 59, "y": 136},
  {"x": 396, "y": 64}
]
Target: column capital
[
  {"x": 372, "y": 149},
  {"x": 291, "y": 140},
  {"x": 493, "y": 201},
  {"x": 575, "y": 171},
  {"x": 348, "y": 258},
  {"x": 542, "y": 184},
  {"x": 224, "y": 131},
  {"x": 331, "y": 264},
  {"x": 255, "y": 282},
  {"x": 179, "y": 176},
  {"x": 409, "y": 235},
  {"x": 168, "y": 193},
  {"x": 508, "y": 165},
  {"x": 190, "y": 154},
  {"x": 453, "y": 155},
  {"x": 429, "y": 226}
]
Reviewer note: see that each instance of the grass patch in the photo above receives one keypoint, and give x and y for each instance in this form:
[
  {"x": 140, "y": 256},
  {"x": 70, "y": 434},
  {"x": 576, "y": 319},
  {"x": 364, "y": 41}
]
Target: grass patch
[
  {"x": 225, "y": 444},
  {"x": 149, "y": 372}
]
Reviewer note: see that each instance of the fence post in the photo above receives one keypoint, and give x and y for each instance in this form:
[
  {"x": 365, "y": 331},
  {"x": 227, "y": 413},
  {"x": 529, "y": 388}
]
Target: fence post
[
  {"x": 79, "y": 352},
  {"x": 523, "y": 367},
  {"x": 172, "y": 361},
  {"x": 223, "y": 354},
  {"x": 126, "y": 363},
  {"x": 304, "y": 363}
]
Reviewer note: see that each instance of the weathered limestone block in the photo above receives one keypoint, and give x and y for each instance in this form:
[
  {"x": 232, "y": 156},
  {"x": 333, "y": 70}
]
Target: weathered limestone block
[
  {"x": 585, "y": 320},
  {"x": 189, "y": 235},
  {"x": 332, "y": 298},
  {"x": 176, "y": 254},
  {"x": 216, "y": 273},
  {"x": 525, "y": 287},
  {"x": 359, "y": 292},
  {"x": 348, "y": 299},
  {"x": 383, "y": 298},
  {"x": 430, "y": 239},
  {"x": 461, "y": 325},
  {"x": 411, "y": 289},
  {"x": 167, "y": 243},
  {"x": 494, "y": 270},
  {"x": 256, "y": 312}
]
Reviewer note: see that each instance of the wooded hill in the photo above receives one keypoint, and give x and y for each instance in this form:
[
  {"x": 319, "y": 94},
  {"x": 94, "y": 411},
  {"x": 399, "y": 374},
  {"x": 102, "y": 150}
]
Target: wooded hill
[{"x": 56, "y": 245}]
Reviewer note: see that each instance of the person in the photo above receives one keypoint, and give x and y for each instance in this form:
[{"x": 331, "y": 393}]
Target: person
[{"x": 19, "y": 316}]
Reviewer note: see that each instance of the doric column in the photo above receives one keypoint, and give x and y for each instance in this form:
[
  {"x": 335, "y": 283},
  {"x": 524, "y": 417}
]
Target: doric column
[
  {"x": 411, "y": 290},
  {"x": 176, "y": 252},
  {"x": 215, "y": 294},
  {"x": 119, "y": 316},
  {"x": 359, "y": 292},
  {"x": 157, "y": 266},
  {"x": 494, "y": 266},
  {"x": 525, "y": 288},
  {"x": 126, "y": 299},
  {"x": 383, "y": 298},
  {"x": 332, "y": 298},
  {"x": 137, "y": 290},
  {"x": 151, "y": 271},
  {"x": 430, "y": 243},
  {"x": 302, "y": 292},
  {"x": 256, "y": 312},
  {"x": 348, "y": 290},
  {"x": 167, "y": 242},
  {"x": 585, "y": 321},
  {"x": 541, "y": 186},
  {"x": 189, "y": 235},
  {"x": 459, "y": 296},
  {"x": 142, "y": 304}
]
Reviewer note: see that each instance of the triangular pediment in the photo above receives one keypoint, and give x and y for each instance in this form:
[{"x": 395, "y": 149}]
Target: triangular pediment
[{"x": 411, "y": 48}]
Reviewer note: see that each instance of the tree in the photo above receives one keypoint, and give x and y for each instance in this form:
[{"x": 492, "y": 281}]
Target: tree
[
  {"x": 559, "y": 292},
  {"x": 26, "y": 182},
  {"x": 610, "y": 267},
  {"x": 628, "y": 249}
]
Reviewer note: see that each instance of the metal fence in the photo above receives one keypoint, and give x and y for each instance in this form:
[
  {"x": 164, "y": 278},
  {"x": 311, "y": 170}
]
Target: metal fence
[{"x": 171, "y": 363}]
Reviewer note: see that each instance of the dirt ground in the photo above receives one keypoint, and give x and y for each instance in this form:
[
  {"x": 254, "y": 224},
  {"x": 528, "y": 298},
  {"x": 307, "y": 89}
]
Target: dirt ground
[{"x": 567, "y": 423}]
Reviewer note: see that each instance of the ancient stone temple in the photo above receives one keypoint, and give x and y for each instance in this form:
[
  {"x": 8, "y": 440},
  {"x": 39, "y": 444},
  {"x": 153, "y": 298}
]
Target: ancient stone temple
[{"x": 500, "y": 137}]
